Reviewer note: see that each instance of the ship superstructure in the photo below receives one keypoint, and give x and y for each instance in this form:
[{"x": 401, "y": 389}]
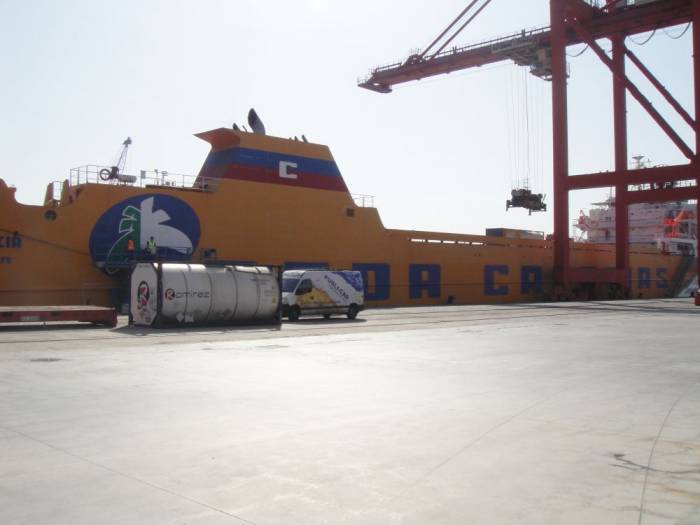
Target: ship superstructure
[{"x": 671, "y": 226}]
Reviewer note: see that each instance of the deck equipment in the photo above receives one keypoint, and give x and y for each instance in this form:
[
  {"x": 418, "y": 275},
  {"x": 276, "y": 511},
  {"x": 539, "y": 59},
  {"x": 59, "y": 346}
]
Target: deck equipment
[{"x": 98, "y": 315}]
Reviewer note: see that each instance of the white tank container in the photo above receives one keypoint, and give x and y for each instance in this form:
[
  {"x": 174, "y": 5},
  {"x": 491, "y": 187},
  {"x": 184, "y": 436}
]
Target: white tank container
[{"x": 168, "y": 293}]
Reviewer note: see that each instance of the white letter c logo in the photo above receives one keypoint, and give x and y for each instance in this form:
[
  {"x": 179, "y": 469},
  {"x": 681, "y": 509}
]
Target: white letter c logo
[{"x": 284, "y": 169}]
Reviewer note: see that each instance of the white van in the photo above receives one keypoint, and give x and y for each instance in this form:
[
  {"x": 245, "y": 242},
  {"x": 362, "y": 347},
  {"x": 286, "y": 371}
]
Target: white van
[{"x": 323, "y": 292}]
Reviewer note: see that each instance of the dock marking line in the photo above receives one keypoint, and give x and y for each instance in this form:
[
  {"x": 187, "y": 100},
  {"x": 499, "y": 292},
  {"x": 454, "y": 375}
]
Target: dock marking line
[
  {"x": 471, "y": 443},
  {"x": 653, "y": 449},
  {"x": 127, "y": 476}
]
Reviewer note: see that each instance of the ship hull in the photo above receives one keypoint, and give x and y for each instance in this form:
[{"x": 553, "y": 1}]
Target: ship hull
[{"x": 57, "y": 254}]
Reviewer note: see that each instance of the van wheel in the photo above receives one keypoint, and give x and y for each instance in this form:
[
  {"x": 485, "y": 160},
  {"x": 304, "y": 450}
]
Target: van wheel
[
  {"x": 326, "y": 316},
  {"x": 353, "y": 310},
  {"x": 294, "y": 313}
]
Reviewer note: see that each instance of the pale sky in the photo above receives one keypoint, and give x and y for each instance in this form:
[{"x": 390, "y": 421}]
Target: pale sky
[{"x": 79, "y": 76}]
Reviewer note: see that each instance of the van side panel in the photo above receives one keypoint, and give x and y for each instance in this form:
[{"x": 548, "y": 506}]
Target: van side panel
[{"x": 331, "y": 291}]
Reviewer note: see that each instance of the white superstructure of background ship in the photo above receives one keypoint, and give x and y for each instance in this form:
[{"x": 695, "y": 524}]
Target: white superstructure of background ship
[{"x": 670, "y": 226}]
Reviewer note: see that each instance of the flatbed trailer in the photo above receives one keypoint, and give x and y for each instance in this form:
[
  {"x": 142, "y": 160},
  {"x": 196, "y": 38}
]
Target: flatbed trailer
[{"x": 80, "y": 313}]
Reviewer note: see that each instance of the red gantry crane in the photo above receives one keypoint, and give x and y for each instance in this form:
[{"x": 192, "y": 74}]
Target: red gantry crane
[{"x": 543, "y": 50}]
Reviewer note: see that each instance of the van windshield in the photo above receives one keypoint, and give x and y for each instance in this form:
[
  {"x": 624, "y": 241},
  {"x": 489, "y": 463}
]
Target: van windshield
[{"x": 289, "y": 284}]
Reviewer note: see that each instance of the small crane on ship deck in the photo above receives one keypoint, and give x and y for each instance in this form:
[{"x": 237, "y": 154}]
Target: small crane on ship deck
[{"x": 114, "y": 172}]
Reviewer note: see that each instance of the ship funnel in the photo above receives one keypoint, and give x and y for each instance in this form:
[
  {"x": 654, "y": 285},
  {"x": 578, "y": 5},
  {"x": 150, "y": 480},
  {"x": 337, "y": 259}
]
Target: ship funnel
[{"x": 255, "y": 123}]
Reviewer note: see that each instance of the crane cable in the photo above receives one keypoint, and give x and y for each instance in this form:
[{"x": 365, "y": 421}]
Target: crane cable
[
  {"x": 459, "y": 30},
  {"x": 680, "y": 35},
  {"x": 525, "y": 122},
  {"x": 579, "y": 53},
  {"x": 464, "y": 11},
  {"x": 527, "y": 133},
  {"x": 647, "y": 40},
  {"x": 517, "y": 120},
  {"x": 511, "y": 129}
]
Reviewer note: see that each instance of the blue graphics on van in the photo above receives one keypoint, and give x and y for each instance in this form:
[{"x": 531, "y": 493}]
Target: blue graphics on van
[
  {"x": 124, "y": 231},
  {"x": 353, "y": 279}
]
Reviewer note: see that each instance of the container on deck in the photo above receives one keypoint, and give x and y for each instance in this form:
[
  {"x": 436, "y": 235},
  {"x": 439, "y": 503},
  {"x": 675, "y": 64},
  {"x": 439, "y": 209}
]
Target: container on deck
[{"x": 196, "y": 294}]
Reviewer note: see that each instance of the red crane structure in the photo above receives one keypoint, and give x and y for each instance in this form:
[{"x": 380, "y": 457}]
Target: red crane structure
[{"x": 544, "y": 51}]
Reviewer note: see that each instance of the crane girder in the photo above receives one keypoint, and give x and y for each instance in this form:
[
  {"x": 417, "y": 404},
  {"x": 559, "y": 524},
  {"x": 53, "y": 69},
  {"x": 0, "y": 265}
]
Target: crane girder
[{"x": 529, "y": 48}]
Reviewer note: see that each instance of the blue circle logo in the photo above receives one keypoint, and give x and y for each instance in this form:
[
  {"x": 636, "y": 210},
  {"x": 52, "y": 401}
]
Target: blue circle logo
[{"x": 146, "y": 226}]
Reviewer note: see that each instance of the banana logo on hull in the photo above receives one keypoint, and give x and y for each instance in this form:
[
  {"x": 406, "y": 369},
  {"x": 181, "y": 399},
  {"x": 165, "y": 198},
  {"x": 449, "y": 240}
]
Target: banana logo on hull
[{"x": 171, "y": 222}]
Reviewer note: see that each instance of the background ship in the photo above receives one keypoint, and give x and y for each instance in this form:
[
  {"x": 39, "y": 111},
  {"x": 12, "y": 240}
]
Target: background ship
[{"x": 670, "y": 226}]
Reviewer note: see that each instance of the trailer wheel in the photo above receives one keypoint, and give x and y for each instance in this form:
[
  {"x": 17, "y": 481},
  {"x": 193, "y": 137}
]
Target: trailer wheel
[
  {"x": 294, "y": 313},
  {"x": 353, "y": 310}
]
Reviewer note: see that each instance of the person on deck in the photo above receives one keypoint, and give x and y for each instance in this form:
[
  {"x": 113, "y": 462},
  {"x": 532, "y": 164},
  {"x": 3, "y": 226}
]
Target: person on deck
[
  {"x": 151, "y": 248},
  {"x": 130, "y": 249}
]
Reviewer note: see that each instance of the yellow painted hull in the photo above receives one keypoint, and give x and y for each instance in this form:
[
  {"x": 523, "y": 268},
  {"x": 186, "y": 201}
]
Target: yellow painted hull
[
  {"x": 46, "y": 251},
  {"x": 276, "y": 225}
]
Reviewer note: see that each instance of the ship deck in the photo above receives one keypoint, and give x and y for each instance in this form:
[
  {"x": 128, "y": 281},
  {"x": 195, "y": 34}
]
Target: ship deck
[{"x": 534, "y": 413}]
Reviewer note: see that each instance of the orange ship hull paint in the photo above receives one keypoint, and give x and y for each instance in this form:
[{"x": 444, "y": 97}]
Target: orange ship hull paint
[{"x": 267, "y": 200}]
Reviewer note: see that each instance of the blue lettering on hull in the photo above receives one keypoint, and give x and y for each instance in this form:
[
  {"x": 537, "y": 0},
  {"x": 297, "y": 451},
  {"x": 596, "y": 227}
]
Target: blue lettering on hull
[
  {"x": 531, "y": 279},
  {"x": 490, "y": 272},
  {"x": 379, "y": 275},
  {"x": 643, "y": 278},
  {"x": 423, "y": 278},
  {"x": 11, "y": 241},
  {"x": 661, "y": 278}
]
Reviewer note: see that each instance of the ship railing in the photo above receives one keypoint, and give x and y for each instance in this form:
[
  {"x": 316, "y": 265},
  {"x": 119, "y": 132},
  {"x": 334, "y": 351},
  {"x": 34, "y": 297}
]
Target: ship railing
[
  {"x": 689, "y": 183},
  {"x": 450, "y": 239},
  {"x": 90, "y": 174},
  {"x": 363, "y": 201},
  {"x": 121, "y": 258}
]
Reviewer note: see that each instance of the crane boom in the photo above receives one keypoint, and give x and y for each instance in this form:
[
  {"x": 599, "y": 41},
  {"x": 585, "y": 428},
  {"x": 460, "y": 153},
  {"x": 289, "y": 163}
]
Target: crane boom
[{"x": 531, "y": 47}]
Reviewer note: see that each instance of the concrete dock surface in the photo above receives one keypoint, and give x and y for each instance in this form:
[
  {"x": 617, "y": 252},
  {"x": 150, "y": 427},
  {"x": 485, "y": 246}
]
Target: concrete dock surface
[{"x": 567, "y": 413}]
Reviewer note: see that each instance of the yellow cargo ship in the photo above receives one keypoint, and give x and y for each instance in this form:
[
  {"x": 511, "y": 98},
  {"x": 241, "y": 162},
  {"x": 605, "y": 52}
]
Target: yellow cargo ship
[{"x": 268, "y": 200}]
